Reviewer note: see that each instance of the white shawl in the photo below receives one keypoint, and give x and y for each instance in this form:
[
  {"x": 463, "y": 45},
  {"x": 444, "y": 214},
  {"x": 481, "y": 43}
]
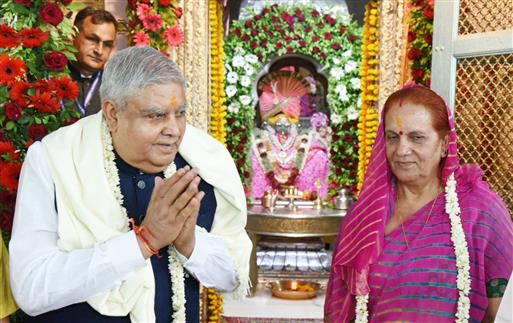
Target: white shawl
[{"x": 88, "y": 212}]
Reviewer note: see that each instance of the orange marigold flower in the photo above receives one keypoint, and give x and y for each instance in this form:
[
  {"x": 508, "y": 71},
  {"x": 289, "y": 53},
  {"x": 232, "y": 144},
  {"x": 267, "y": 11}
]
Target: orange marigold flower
[
  {"x": 33, "y": 37},
  {"x": 10, "y": 69}
]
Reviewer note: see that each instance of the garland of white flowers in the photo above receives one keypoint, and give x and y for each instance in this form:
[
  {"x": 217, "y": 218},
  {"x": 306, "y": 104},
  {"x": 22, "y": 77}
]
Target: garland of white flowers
[
  {"x": 452, "y": 208},
  {"x": 175, "y": 267}
]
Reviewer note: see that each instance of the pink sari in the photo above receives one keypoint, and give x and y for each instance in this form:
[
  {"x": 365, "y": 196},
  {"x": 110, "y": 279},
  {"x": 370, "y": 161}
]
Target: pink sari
[{"x": 417, "y": 282}]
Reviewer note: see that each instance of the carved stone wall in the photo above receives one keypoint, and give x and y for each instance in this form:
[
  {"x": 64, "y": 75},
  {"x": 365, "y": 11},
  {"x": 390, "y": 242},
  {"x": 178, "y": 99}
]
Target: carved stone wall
[{"x": 393, "y": 36}]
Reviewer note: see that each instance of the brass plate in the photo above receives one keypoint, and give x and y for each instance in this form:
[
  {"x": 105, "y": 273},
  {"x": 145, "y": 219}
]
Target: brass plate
[{"x": 294, "y": 289}]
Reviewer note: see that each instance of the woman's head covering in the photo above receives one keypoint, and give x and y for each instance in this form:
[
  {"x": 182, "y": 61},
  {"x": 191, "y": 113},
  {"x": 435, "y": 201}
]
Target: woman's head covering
[{"x": 360, "y": 241}]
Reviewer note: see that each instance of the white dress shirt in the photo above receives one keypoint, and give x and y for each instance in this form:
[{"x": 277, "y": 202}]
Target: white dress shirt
[{"x": 44, "y": 278}]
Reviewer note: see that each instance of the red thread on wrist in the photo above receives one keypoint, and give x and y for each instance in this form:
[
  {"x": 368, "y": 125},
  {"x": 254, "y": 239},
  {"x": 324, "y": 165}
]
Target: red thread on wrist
[{"x": 139, "y": 231}]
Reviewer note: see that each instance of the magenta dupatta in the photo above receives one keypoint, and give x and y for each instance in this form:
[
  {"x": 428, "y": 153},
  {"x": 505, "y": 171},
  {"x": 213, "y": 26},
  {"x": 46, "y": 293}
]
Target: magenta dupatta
[{"x": 360, "y": 241}]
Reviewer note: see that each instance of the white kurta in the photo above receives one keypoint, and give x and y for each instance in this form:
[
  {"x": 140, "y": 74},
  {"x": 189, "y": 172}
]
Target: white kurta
[{"x": 48, "y": 276}]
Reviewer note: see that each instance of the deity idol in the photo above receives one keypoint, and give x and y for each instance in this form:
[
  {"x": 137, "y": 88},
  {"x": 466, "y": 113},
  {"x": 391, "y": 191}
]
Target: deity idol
[{"x": 282, "y": 154}]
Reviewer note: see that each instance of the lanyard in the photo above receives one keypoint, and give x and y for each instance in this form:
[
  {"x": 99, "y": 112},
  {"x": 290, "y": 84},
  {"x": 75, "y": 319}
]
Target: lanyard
[{"x": 89, "y": 95}]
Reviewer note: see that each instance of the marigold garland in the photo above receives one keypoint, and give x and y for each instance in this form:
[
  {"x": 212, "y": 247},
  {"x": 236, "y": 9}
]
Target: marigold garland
[
  {"x": 215, "y": 306},
  {"x": 368, "y": 121},
  {"x": 217, "y": 79}
]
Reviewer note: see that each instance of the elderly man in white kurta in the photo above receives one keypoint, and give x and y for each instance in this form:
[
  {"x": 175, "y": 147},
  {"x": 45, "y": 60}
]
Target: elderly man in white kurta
[{"x": 120, "y": 216}]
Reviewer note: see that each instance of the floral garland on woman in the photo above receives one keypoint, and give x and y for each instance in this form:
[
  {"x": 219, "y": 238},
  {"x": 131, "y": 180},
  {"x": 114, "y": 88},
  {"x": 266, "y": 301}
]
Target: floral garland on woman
[
  {"x": 333, "y": 40},
  {"x": 452, "y": 208},
  {"x": 36, "y": 92},
  {"x": 155, "y": 23},
  {"x": 175, "y": 267}
]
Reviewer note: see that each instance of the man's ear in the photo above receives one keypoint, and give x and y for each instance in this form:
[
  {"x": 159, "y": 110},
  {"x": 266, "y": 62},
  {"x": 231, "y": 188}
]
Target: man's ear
[{"x": 111, "y": 114}]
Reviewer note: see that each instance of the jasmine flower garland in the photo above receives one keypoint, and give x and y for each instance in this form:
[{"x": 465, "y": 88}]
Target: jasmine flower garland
[
  {"x": 175, "y": 267},
  {"x": 452, "y": 208}
]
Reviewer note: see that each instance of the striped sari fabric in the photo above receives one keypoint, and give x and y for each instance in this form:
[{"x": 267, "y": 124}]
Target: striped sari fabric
[{"x": 416, "y": 281}]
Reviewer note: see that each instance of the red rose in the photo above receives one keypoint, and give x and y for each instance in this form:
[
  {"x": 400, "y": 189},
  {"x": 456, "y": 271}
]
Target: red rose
[
  {"x": 352, "y": 38},
  {"x": 320, "y": 25},
  {"x": 237, "y": 32},
  {"x": 71, "y": 121},
  {"x": 51, "y": 13},
  {"x": 257, "y": 17},
  {"x": 302, "y": 43},
  {"x": 414, "y": 53},
  {"x": 429, "y": 13},
  {"x": 328, "y": 36},
  {"x": 265, "y": 11},
  {"x": 287, "y": 39},
  {"x": 308, "y": 29},
  {"x": 245, "y": 37},
  {"x": 335, "y": 46},
  {"x": 274, "y": 19},
  {"x": 342, "y": 29},
  {"x": 66, "y": 2},
  {"x": 279, "y": 45},
  {"x": 263, "y": 43},
  {"x": 428, "y": 38},
  {"x": 55, "y": 61},
  {"x": 290, "y": 50},
  {"x": 315, "y": 38},
  {"x": 132, "y": 4},
  {"x": 164, "y": 3},
  {"x": 315, "y": 13},
  {"x": 322, "y": 55},
  {"x": 254, "y": 32},
  {"x": 36, "y": 131},
  {"x": 26, "y": 3},
  {"x": 248, "y": 24},
  {"x": 417, "y": 74},
  {"x": 12, "y": 111},
  {"x": 298, "y": 12},
  {"x": 315, "y": 49},
  {"x": 179, "y": 12},
  {"x": 411, "y": 36},
  {"x": 254, "y": 44}
]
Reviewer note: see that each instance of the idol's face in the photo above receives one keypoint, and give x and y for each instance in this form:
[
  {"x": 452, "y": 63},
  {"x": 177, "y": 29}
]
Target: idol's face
[
  {"x": 413, "y": 147},
  {"x": 95, "y": 43},
  {"x": 148, "y": 132}
]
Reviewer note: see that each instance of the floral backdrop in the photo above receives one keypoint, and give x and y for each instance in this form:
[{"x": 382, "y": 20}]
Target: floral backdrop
[
  {"x": 420, "y": 38},
  {"x": 331, "y": 39},
  {"x": 35, "y": 89},
  {"x": 155, "y": 23}
]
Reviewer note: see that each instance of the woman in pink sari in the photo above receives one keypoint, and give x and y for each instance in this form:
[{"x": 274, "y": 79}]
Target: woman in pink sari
[{"x": 428, "y": 240}]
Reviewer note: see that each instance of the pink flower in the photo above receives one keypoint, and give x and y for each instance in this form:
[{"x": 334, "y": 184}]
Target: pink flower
[
  {"x": 143, "y": 11},
  {"x": 141, "y": 39},
  {"x": 174, "y": 35},
  {"x": 153, "y": 22}
]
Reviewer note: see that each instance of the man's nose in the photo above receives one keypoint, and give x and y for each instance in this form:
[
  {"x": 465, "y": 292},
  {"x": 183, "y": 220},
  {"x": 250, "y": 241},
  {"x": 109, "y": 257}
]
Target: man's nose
[
  {"x": 171, "y": 129},
  {"x": 99, "y": 48}
]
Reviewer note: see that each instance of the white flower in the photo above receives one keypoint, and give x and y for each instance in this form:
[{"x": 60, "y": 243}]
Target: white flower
[
  {"x": 250, "y": 58},
  {"x": 249, "y": 69},
  {"x": 336, "y": 60},
  {"x": 234, "y": 107},
  {"x": 230, "y": 90},
  {"x": 238, "y": 61},
  {"x": 228, "y": 67},
  {"x": 356, "y": 82},
  {"x": 245, "y": 99},
  {"x": 240, "y": 51},
  {"x": 337, "y": 73},
  {"x": 335, "y": 118},
  {"x": 342, "y": 92},
  {"x": 359, "y": 102},
  {"x": 352, "y": 113},
  {"x": 232, "y": 77},
  {"x": 350, "y": 66},
  {"x": 347, "y": 53},
  {"x": 245, "y": 81}
]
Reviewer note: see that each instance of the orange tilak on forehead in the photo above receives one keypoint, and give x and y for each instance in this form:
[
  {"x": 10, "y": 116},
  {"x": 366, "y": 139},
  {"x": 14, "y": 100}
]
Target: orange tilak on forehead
[
  {"x": 173, "y": 100},
  {"x": 399, "y": 124}
]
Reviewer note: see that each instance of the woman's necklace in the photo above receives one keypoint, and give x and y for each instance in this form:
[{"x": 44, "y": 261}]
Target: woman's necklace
[{"x": 427, "y": 219}]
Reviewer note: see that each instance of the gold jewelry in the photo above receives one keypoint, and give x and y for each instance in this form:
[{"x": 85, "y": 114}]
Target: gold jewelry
[{"x": 427, "y": 219}]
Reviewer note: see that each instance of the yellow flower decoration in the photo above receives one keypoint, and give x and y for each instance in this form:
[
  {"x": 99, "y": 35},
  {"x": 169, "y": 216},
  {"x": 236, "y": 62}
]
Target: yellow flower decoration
[
  {"x": 368, "y": 121},
  {"x": 218, "y": 96},
  {"x": 215, "y": 306}
]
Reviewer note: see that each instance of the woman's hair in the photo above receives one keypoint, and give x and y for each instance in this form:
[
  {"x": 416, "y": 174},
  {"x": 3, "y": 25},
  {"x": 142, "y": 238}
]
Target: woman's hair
[
  {"x": 427, "y": 98},
  {"x": 132, "y": 69}
]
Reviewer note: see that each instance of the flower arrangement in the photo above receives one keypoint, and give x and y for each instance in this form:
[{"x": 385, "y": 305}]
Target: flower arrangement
[
  {"x": 420, "y": 37},
  {"x": 331, "y": 39},
  {"x": 155, "y": 23},
  {"x": 369, "y": 119},
  {"x": 217, "y": 79},
  {"x": 36, "y": 93},
  {"x": 215, "y": 306}
]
